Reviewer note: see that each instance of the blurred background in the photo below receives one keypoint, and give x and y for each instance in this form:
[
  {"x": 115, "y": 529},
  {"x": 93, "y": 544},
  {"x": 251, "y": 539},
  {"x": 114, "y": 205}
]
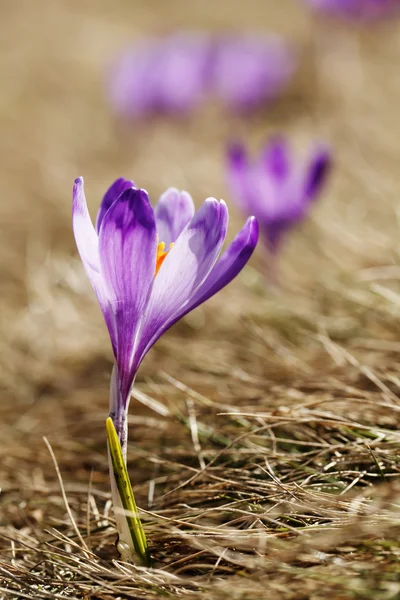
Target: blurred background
[{"x": 57, "y": 123}]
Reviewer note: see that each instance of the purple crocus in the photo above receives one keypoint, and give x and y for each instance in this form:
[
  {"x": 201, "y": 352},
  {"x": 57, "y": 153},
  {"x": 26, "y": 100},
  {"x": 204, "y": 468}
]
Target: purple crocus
[
  {"x": 359, "y": 10},
  {"x": 278, "y": 190},
  {"x": 176, "y": 73},
  {"x": 150, "y": 267},
  {"x": 165, "y": 75},
  {"x": 252, "y": 70}
]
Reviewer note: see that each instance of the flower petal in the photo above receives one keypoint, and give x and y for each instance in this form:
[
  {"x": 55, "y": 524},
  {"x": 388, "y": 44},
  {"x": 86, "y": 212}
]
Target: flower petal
[
  {"x": 186, "y": 267},
  {"x": 173, "y": 212},
  {"x": 87, "y": 244},
  {"x": 127, "y": 251},
  {"x": 255, "y": 190},
  {"x": 359, "y": 10},
  {"x": 251, "y": 70},
  {"x": 132, "y": 89},
  {"x": 182, "y": 71},
  {"x": 85, "y": 234},
  {"x": 237, "y": 156},
  {"x": 113, "y": 192},
  {"x": 317, "y": 173},
  {"x": 229, "y": 265},
  {"x": 276, "y": 159},
  {"x": 237, "y": 174}
]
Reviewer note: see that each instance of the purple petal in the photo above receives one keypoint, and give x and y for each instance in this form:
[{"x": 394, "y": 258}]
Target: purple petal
[
  {"x": 169, "y": 74},
  {"x": 276, "y": 158},
  {"x": 131, "y": 85},
  {"x": 127, "y": 250},
  {"x": 237, "y": 156},
  {"x": 229, "y": 265},
  {"x": 85, "y": 234},
  {"x": 113, "y": 192},
  {"x": 87, "y": 243},
  {"x": 184, "y": 270},
  {"x": 317, "y": 173},
  {"x": 363, "y": 10},
  {"x": 173, "y": 212},
  {"x": 251, "y": 70},
  {"x": 237, "y": 174},
  {"x": 181, "y": 71},
  {"x": 253, "y": 188}
]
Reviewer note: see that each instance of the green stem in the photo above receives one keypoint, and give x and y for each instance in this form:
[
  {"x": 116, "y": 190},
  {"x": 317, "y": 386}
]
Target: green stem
[{"x": 127, "y": 500}]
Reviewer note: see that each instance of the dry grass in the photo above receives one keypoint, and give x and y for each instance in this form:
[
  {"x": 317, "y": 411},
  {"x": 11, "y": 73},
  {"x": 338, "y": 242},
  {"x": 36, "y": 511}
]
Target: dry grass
[{"x": 264, "y": 442}]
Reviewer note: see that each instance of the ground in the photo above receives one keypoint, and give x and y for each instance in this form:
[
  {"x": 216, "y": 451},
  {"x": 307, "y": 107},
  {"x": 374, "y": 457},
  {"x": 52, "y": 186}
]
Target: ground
[{"x": 264, "y": 446}]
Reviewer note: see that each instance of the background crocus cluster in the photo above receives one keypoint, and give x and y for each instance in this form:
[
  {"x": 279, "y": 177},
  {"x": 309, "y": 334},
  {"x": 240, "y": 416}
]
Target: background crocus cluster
[
  {"x": 360, "y": 10},
  {"x": 275, "y": 186},
  {"x": 177, "y": 73}
]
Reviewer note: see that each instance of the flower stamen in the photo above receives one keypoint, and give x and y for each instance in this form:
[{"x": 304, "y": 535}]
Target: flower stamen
[{"x": 161, "y": 254}]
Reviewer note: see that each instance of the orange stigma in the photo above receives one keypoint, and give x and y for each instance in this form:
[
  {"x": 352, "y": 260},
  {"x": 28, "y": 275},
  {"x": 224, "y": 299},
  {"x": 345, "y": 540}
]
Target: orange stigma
[{"x": 161, "y": 254}]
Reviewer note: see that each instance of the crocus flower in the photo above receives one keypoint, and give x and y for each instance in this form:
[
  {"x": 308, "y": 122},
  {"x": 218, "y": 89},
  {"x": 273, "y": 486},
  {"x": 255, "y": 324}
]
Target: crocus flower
[
  {"x": 166, "y": 75},
  {"x": 150, "y": 267},
  {"x": 174, "y": 74},
  {"x": 359, "y": 10},
  {"x": 278, "y": 190},
  {"x": 252, "y": 70}
]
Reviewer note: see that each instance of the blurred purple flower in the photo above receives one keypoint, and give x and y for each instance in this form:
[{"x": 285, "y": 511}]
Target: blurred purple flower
[
  {"x": 275, "y": 188},
  {"x": 176, "y": 73},
  {"x": 149, "y": 268},
  {"x": 360, "y": 10},
  {"x": 169, "y": 75},
  {"x": 252, "y": 70},
  {"x": 129, "y": 85}
]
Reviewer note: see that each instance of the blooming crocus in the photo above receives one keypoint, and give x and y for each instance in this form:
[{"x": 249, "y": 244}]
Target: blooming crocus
[
  {"x": 150, "y": 267},
  {"x": 274, "y": 187},
  {"x": 165, "y": 75},
  {"x": 176, "y": 73},
  {"x": 249, "y": 71},
  {"x": 358, "y": 10}
]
